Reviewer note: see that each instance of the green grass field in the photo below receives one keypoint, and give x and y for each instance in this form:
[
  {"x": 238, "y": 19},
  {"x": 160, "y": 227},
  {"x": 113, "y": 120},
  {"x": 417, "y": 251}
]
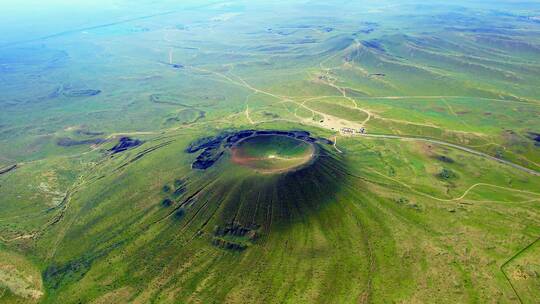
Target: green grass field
[{"x": 419, "y": 181}]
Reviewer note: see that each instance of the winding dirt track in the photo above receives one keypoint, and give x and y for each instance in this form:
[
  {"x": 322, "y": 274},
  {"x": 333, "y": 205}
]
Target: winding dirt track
[
  {"x": 244, "y": 84},
  {"x": 478, "y": 153}
]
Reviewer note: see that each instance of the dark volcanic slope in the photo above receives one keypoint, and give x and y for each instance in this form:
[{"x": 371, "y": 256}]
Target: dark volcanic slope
[
  {"x": 255, "y": 199},
  {"x": 228, "y": 194}
]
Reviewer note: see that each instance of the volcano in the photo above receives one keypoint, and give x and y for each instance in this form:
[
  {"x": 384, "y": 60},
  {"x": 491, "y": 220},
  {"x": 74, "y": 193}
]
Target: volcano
[{"x": 256, "y": 180}]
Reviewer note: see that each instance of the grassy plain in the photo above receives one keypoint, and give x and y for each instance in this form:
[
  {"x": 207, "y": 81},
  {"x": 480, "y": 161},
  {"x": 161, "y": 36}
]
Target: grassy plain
[{"x": 415, "y": 211}]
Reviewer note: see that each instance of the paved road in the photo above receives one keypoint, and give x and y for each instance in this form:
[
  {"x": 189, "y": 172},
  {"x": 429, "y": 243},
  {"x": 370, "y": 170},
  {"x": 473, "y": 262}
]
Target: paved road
[{"x": 469, "y": 150}]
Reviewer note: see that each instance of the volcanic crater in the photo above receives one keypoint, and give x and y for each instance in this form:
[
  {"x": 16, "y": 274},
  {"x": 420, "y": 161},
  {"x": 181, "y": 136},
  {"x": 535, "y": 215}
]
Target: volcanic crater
[
  {"x": 273, "y": 153},
  {"x": 261, "y": 178}
]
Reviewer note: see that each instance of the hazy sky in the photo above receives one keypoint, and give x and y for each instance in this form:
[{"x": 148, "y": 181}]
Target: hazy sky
[{"x": 22, "y": 20}]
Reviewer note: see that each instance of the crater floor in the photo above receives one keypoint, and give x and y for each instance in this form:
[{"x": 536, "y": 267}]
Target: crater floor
[{"x": 273, "y": 153}]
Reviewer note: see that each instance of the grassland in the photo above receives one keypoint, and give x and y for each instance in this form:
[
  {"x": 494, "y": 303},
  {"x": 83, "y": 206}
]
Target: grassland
[{"x": 438, "y": 202}]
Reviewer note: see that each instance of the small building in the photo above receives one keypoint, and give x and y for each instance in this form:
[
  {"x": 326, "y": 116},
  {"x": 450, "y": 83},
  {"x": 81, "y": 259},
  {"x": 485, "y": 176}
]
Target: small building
[{"x": 347, "y": 130}]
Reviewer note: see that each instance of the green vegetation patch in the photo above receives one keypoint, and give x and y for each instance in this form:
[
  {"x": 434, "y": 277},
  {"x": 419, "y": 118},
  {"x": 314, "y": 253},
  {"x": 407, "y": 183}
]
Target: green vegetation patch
[
  {"x": 186, "y": 116},
  {"x": 341, "y": 111}
]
